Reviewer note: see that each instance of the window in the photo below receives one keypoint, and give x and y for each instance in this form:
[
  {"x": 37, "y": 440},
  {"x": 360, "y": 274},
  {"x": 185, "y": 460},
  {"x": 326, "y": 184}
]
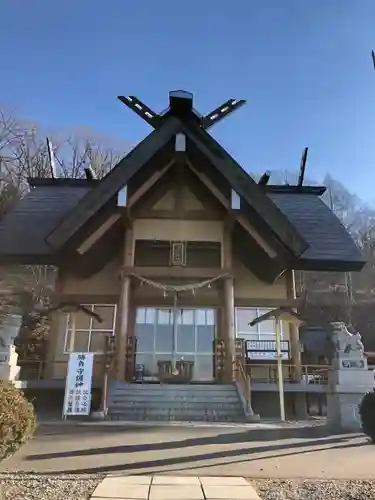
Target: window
[
  {"x": 262, "y": 331},
  {"x": 145, "y": 316},
  {"x": 203, "y": 254},
  {"x": 154, "y": 253},
  {"x": 90, "y": 333}
]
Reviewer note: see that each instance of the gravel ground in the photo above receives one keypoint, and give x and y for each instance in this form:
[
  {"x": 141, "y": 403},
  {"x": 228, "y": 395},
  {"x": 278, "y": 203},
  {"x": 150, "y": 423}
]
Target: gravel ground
[
  {"x": 20, "y": 486},
  {"x": 277, "y": 489}
]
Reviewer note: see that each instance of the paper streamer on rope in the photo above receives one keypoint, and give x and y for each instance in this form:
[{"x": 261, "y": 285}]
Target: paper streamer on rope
[{"x": 178, "y": 288}]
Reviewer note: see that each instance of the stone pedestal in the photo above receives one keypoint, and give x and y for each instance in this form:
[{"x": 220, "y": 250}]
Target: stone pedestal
[
  {"x": 8, "y": 356},
  {"x": 349, "y": 380},
  {"x": 300, "y": 405}
]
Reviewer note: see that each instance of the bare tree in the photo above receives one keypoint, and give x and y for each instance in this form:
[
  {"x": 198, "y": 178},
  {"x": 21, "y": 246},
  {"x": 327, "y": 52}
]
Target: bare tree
[
  {"x": 29, "y": 290},
  {"x": 74, "y": 154},
  {"x": 24, "y": 154}
]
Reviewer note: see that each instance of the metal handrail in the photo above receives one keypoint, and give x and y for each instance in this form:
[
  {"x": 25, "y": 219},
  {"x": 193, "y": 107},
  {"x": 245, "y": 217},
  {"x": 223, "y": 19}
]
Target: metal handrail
[{"x": 309, "y": 374}]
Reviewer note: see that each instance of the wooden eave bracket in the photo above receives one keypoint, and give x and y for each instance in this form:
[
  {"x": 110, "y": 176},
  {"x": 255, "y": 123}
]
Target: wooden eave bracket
[
  {"x": 108, "y": 187},
  {"x": 223, "y": 162}
]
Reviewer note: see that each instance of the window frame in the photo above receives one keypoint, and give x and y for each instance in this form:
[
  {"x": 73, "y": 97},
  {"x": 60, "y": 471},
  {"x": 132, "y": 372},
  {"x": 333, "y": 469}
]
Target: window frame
[
  {"x": 90, "y": 329},
  {"x": 258, "y": 333}
]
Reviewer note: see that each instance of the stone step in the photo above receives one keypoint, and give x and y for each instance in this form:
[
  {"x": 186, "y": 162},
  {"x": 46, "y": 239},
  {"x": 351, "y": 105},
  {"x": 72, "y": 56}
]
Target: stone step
[
  {"x": 149, "y": 418},
  {"x": 163, "y": 399},
  {"x": 176, "y": 416},
  {"x": 171, "y": 387},
  {"x": 142, "y": 389},
  {"x": 164, "y": 409},
  {"x": 174, "y": 404},
  {"x": 185, "y": 402},
  {"x": 203, "y": 411}
]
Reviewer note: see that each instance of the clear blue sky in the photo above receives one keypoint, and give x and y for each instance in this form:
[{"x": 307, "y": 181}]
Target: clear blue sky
[{"x": 303, "y": 65}]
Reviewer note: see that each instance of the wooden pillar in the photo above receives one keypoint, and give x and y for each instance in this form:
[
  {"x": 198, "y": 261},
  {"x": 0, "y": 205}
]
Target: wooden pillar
[
  {"x": 229, "y": 322},
  {"x": 51, "y": 367},
  {"x": 300, "y": 399},
  {"x": 124, "y": 306},
  {"x": 295, "y": 348},
  {"x": 229, "y": 328}
]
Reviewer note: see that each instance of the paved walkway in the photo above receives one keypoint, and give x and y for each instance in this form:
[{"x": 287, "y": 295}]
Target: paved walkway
[
  {"x": 120, "y": 487},
  {"x": 195, "y": 451}
]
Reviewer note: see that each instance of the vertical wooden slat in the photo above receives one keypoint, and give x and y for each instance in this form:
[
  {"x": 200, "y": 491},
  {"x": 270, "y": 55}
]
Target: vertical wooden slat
[
  {"x": 295, "y": 349},
  {"x": 229, "y": 327},
  {"x": 122, "y": 333}
]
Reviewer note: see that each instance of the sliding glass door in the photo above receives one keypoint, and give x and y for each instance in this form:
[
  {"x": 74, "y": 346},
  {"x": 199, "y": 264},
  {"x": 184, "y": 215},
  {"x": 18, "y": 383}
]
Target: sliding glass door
[{"x": 192, "y": 342}]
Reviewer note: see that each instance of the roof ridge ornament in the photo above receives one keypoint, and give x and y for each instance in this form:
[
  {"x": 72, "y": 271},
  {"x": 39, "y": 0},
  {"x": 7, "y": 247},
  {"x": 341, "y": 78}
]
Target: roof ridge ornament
[
  {"x": 181, "y": 105},
  {"x": 302, "y": 167}
]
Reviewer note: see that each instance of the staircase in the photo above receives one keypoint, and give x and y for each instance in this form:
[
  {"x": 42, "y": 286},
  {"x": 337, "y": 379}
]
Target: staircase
[{"x": 199, "y": 403}]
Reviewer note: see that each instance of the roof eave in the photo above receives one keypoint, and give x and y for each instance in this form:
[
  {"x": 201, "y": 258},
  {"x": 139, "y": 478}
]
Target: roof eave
[
  {"x": 275, "y": 188},
  {"x": 333, "y": 265},
  {"x": 96, "y": 198},
  {"x": 49, "y": 181},
  {"x": 291, "y": 238},
  {"x": 29, "y": 259}
]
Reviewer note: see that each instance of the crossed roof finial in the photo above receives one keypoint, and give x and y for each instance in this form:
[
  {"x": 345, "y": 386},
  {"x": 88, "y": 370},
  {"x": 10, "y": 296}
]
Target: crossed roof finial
[{"x": 181, "y": 104}]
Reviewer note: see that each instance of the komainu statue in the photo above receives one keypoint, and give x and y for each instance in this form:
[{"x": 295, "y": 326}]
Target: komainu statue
[{"x": 347, "y": 345}]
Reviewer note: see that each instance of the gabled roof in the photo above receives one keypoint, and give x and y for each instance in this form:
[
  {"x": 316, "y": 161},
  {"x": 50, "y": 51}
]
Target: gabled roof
[
  {"x": 246, "y": 188},
  {"x": 303, "y": 230},
  {"x": 24, "y": 230},
  {"x": 96, "y": 198},
  {"x": 212, "y": 152},
  {"x": 330, "y": 245}
]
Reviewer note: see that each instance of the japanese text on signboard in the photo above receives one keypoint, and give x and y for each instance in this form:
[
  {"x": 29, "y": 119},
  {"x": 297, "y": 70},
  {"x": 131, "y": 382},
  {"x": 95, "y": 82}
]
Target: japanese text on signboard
[{"x": 78, "y": 384}]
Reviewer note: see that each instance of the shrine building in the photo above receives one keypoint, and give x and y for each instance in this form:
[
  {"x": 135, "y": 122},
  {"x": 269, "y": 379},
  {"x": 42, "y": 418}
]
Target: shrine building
[{"x": 177, "y": 249}]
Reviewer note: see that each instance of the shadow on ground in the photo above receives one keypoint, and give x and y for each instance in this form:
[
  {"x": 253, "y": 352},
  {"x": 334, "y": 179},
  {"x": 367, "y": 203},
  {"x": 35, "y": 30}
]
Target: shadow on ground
[
  {"x": 253, "y": 435},
  {"x": 292, "y": 452}
]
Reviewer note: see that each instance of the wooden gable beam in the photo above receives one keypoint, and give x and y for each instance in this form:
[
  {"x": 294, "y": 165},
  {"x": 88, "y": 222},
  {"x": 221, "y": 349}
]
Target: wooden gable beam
[
  {"x": 96, "y": 235},
  {"x": 205, "y": 145},
  {"x": 108, "y": 187},
  {"x": 148, "y": 184},
  {"x": 141, "y": 109},
  {"x": 112, "y": 219},
  {"x": 221, "y": 112},
  {"x": 238, "y": 217}
]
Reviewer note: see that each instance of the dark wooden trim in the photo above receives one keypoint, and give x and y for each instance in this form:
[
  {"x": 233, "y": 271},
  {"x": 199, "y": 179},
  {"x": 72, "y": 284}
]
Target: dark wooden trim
[
  {"x": 204, "y": 195},
  {"x": 49, "y": 181},
  {"x": 245, "y": 186},
  {"x": 93, "y": 299},
  {"x": 51, "y": 259},
  {"x": 188, "y": 215},
  {"x": 254, "y": 257},
  {"x": 95, "y": 199},
  {"x": 328, "y": 265},
  {"x": 273, "y": 188},
  {"x": 98, "y": 256},
  {"x": 152, "y": 180},
  {"x": 178, "y": 177},
  {"x": 145, "y": 204},
  {"x": 99, "y": 232},
  {"x": 179, "y": 183},
  {"x": 141, "y": 109},
  {"x": 212, "y": 210},
  {"x": 251, "y": 302},
  {"x": 173, "y": 272},
  {"x": 256, "y": 229},
  {"x": 186, "y": 300}
]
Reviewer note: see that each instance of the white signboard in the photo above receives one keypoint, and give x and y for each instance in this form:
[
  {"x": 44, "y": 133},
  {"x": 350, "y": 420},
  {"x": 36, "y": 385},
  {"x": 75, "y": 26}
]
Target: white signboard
[
  {"x": 266, "y": 349},
  {"x": 78, "y": 383},
  {"x": 269, "y": 356}
]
